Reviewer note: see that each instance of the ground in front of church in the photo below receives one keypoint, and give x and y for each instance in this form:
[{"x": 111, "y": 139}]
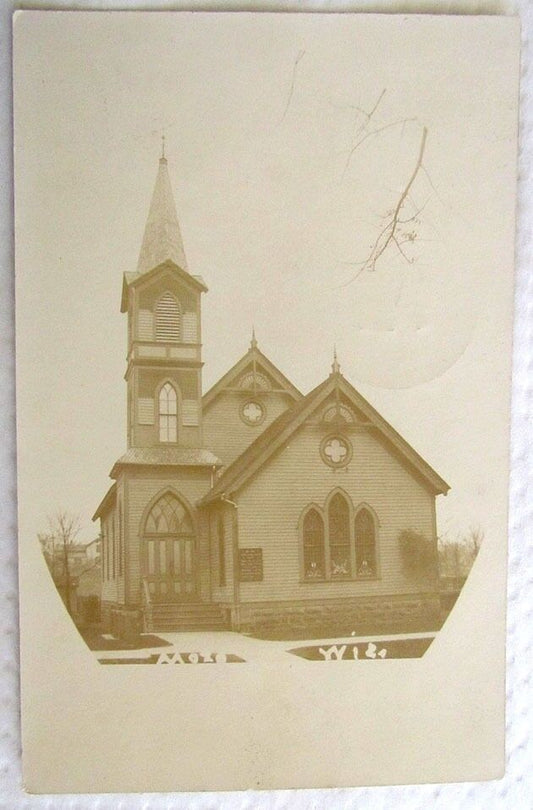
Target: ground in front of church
[{"x": 226, "y": 647}]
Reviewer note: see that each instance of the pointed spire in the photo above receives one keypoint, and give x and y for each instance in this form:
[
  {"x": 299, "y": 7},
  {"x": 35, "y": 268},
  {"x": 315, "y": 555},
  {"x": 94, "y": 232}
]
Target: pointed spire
[
  {"x": 335, "y": 366},
  {"x": 253, "y": 342},
  {"x": 162, "y": 237}
]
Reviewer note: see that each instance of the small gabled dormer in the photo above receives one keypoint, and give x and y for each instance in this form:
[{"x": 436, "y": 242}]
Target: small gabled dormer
[{"x": 244, "y": 402}]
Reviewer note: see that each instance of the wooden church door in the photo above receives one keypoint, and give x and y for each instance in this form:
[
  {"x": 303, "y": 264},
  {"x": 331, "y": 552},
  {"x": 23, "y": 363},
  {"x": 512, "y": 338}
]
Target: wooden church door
[{"x": 169, "y": 543}]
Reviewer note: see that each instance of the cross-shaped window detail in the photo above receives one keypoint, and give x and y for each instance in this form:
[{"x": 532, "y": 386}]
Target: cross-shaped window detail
[
  {"x": 336, "y": 451},
  {"x": 253, "y": 413}
]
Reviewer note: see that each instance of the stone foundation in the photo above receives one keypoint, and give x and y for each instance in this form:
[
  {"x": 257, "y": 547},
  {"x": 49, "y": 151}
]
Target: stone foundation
[
  {"x": 121, "y": 621},
  {"x": 380, "y": 614}
]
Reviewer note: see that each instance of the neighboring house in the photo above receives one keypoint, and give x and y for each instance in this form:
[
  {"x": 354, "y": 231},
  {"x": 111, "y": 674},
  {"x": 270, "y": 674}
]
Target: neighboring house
[
  {"x": 252, "y": 506},
  {"x": 84, "y": 581},
  {"x": 93, "y": 550},
  {"x": 54, "y": 553}
]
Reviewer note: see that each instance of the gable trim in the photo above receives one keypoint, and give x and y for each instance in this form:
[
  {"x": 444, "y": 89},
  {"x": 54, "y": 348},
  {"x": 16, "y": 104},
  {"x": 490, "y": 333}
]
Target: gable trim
[
  {"x": 273, "y": 438},
  {"x": 139, "y": 279},
  {"x": 224, "y": 383}
]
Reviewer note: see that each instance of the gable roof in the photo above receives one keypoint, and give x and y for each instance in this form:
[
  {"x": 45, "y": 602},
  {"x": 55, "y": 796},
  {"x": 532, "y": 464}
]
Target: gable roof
[
  {"x": 107, "y": 502},
  {"x": 134, "y": 279},
  {"x": 252, "y": 356},
  {"x": 274, "y": 437}
]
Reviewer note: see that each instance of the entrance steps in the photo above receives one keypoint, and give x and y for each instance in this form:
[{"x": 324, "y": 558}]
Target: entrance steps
[{"x": 174, "y": 617}]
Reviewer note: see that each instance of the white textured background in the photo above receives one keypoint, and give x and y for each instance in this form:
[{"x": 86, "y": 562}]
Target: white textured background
[{"x": 516, "y": 789}]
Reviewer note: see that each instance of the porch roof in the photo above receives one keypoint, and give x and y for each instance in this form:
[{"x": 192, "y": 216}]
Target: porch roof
[{"x": 166, "y": 457}]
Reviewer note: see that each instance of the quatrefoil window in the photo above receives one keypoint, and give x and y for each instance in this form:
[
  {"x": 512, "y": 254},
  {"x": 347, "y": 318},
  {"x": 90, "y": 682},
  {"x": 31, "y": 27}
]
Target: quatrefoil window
[
  {"x": 253, "y": 413},
  {"x": 336, "y": 451}
]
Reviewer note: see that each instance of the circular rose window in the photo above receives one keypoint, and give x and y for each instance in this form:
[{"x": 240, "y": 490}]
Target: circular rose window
[
  {"x": 336, "y": 451},
  {"x": 253, "y": 413}
]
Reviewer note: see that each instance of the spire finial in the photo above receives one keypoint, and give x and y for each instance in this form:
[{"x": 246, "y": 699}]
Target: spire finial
[
  {"x": 162, "y": 237},
  {"x": 335, "y": 366},
  {"x": 253, "y": 342},
  {"x": 163, "y": 158}
]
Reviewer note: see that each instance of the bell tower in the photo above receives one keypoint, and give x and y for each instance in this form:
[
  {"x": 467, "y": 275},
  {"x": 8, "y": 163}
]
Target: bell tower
[{"x": 164, "y": 358}]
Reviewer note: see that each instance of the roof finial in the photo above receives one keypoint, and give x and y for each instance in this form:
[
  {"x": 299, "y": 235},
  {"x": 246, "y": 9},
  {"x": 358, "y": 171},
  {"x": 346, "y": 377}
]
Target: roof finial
[
  {"x": 253, "y": 342},
  {"x": 163, "y": 158},
  {"x": 335, "y": 366}
]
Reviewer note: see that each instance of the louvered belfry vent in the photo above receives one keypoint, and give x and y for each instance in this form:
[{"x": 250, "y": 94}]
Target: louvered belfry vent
[{"x": 167, "y": 319}]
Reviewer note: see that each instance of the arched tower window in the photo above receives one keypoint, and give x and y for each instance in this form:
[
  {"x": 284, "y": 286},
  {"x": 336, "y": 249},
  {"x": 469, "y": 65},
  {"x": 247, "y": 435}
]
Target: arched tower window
[
  {"x": 168, "y": 414},
  {"x": 365, "y": 544},
  {"x": 167, "y": 318},
  {"x": 339, "y": 537},
  {"x": 313, "y": 545}
]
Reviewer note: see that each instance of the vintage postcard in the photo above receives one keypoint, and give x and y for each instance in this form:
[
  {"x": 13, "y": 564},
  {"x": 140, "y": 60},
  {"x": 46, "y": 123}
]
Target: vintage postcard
[{"x": 264, "y": 286}]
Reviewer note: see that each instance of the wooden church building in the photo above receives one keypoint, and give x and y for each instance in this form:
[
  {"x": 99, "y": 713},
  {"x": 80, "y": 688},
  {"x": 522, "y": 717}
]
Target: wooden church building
[{"x": 252, "y": 506}]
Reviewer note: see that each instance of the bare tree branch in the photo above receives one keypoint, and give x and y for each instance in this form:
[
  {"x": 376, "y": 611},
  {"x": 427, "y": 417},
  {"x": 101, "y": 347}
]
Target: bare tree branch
[
  {"x": 65, "y": 528},
  {"x": 368, "y": 115},
  {"x": 399, "y": 246},
  {"x": 430, "y": 181},
  {"x": 390, "y": 232},
  {"x": 291, "y": 89},
  {"x": 370, "y": 134}
]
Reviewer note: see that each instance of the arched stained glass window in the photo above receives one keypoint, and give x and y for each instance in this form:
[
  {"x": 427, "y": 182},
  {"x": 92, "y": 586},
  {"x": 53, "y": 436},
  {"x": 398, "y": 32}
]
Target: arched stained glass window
[
  {"x": 313, "y": 545},
  {"x": 167, "y": 318},
  {"x": 168, "y": 414},
  {"x": 339, "y": 537},
  {"x": 168, "y": 516},
  {"x": 365, "y": 543}
]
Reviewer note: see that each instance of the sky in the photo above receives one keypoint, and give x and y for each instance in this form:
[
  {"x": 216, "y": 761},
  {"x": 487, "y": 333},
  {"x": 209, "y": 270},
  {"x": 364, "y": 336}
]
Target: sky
[{"x": 290, "y": 139}]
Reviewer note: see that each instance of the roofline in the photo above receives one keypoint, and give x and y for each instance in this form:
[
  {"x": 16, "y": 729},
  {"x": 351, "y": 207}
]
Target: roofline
[
  {"x": 168, "y": 264},
  {"x": 119, "y": 464},
  {"x": 105, "y": 503},
  {"x": 268, "y": 450},
  {"x": 213, "y": 392},
  {"x": 321, "y": 392},
  {"x": 96, "y": 540},
  {"x": 440, "y": 484}
]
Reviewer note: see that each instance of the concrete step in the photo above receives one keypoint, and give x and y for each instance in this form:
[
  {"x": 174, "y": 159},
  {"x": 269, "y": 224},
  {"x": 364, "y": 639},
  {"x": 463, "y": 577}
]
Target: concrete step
[
  {"x": 179, "y": 616},
  {"x": 186, "y": 609}
]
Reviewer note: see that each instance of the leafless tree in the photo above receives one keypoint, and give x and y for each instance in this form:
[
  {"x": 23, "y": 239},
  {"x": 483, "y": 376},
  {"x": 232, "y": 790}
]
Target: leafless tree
[
  {"x": 475, "y": 538},
  {"x": 64, "y": 529},
  {"x": 457, "y": 555}
]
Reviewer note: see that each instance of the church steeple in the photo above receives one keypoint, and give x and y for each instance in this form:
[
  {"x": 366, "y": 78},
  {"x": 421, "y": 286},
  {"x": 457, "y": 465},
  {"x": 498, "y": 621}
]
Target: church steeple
[
  {"x": 163, "y": 302},
  {"x": 162, "y": 237}
]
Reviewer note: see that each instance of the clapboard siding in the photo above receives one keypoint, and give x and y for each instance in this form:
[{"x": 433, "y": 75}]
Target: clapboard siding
[
  {"x": 145, "y": 324},
  {"x": 112, "y": 586},
  {"x": 222, "y": 593},
  {"x": 143, "y": 486},
  {"x": 224, "y": 431},
  {"x": 190, "y": 327},
  {"x": 270, "y": 508}
]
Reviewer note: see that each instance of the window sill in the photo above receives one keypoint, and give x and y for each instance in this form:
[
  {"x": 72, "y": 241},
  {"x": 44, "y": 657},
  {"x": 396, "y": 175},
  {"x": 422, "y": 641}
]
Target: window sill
[{"x": 324, "y": 581}]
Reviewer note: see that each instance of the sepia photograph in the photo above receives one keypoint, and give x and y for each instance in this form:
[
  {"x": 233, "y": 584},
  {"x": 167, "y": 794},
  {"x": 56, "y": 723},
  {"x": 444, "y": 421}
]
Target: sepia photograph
[{"x": 264, "y": 289}]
